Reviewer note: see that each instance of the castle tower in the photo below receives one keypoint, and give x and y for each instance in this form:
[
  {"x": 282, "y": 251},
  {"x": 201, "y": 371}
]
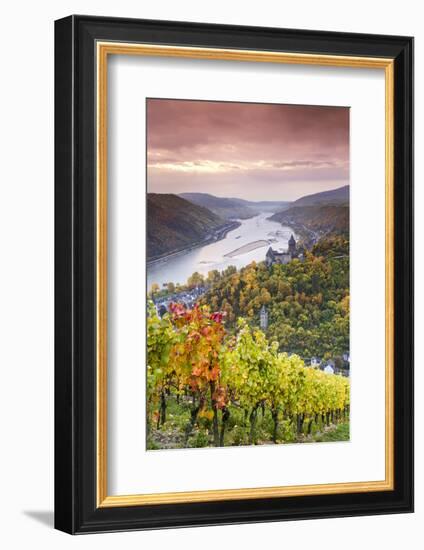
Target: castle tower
[
  {"x": 269, "y": 258},
  {"x": 292, "y": 245},
  {"x": 263, "y": 315}
]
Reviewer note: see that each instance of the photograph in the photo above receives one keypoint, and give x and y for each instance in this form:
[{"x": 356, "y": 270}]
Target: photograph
[{"x": 247, "y": 254}]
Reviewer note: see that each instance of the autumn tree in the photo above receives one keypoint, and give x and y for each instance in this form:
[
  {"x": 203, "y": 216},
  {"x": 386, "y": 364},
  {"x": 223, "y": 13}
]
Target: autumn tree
[
  {"x": 195, "y": 280},
  {"x": 170, "y": 287},
  {"x": 154, "y": 289}
]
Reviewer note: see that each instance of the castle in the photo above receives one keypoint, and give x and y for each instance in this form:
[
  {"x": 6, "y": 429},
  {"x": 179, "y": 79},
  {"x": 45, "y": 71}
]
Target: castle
[{"x": 279, "y": 257}]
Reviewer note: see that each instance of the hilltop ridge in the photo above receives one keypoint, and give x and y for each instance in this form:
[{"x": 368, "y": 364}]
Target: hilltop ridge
[
  {"x": 231, "y": 207},
  {"x": 333, "y": 196}
]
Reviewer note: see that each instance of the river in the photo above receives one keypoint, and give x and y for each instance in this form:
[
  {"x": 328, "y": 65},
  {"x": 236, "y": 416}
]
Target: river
[{"x": 258, "y": 232}]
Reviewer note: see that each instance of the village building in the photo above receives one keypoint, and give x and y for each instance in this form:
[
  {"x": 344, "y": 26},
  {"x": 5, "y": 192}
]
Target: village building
[
  {"x": 283, "y": 256},
  {"x": 315, "y": 362}
]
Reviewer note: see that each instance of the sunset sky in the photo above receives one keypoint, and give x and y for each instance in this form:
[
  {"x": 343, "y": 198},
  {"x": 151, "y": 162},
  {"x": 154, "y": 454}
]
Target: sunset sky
[{"x": 246, "y": 150}]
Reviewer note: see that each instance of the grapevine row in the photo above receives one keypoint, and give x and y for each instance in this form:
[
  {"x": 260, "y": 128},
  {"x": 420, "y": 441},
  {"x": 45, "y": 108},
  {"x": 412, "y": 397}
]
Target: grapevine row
[{"x": 191, "y": 355}]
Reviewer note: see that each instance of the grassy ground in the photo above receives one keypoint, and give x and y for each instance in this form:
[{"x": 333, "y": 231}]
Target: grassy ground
[
  {"x": 171, "y": 435},
  {"x": 340, "y": 432}
]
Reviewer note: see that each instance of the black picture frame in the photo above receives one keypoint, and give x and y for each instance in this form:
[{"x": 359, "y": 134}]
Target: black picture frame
[{"x": 76, "y": 510}]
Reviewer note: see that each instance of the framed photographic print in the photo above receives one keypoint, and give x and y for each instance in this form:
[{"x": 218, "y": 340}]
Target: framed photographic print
[{"x": 234, "y": 267}]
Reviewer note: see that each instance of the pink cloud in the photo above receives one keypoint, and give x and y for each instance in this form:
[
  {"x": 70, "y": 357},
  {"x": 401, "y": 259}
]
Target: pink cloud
[{"x": 256, "y": 141}]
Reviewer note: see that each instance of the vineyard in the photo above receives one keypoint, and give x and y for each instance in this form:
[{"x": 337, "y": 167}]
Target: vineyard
[{"x": 207, "y": 386}]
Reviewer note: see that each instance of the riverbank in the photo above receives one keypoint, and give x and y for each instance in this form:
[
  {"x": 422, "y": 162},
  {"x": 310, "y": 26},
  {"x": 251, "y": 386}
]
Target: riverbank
[
  {"x": 218, "y": 235},
  {"x": 308, "y": 237},
  {"x": 305, "y": 236}
]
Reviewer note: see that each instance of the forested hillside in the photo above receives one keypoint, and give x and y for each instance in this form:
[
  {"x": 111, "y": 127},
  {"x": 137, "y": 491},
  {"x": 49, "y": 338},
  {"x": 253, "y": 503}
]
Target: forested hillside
[
  {"x": 215, "y": 379},
  {"x": 313, "y": 222},
  {"x": 174, "y": 223},
  {"x": 308, "y": 302}
]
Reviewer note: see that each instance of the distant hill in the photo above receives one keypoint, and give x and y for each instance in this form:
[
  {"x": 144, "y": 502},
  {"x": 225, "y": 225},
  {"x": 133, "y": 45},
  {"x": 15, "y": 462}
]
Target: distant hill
[
  {"x": 334, "y": 196},
  {"x": 314, "y": 222},
  {"x": 271, "y": 206},
  {"x": 223, "y": 207},
  {"x": 233, "y": 208},
  {"x": 174, "y": 224}
]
